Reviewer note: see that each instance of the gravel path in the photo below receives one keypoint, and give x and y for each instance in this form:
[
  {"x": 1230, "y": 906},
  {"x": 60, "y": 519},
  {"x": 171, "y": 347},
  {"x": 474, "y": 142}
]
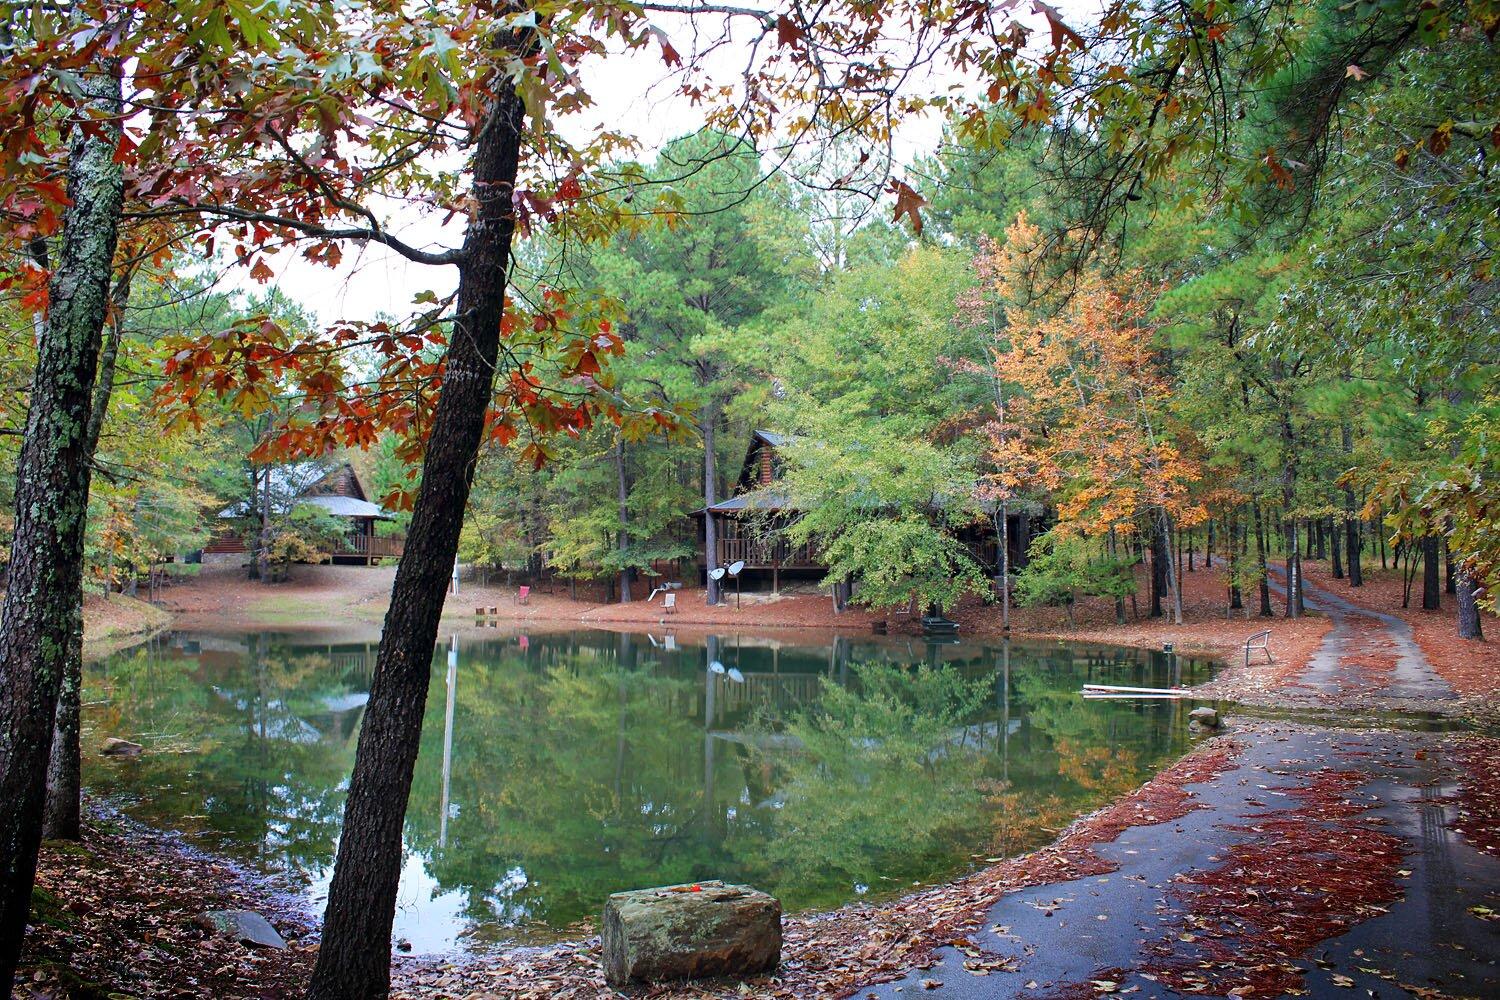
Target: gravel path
[{"x": 1359, "y": 634}]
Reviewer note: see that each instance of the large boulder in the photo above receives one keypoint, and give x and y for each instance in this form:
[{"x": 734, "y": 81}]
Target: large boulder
[
  {"x": 113, "y": 746},
  {"x": 690, "y": 932},
  {"x": 245, "y": 926},
  {"x": 1204, "y": 716}
]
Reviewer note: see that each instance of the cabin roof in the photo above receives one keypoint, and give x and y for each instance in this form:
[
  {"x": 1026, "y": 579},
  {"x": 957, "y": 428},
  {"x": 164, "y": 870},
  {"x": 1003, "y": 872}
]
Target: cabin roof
[
  {"x": 761, "y": 499},
  {"x": 334, "y": 487}
]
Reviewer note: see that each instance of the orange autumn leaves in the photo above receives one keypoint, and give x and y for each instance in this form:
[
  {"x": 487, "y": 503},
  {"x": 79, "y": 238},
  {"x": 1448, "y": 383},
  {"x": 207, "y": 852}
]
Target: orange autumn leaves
[{"x": 1083, "y": 395}]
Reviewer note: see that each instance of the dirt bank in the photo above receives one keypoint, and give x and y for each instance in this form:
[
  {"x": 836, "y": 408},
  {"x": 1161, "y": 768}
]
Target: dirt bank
[{"x": 116, "y": 621}]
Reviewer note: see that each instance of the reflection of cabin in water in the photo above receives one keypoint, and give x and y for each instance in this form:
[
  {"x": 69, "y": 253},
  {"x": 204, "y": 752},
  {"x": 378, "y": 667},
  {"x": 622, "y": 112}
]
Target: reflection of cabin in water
[
  {"x": 750, "y": 524},
  {"x": 336, "y": 489}
]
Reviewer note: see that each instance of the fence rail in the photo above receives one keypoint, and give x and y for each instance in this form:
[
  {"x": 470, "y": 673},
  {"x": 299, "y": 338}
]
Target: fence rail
[
  {"x": 371, "y": 547},
  {"x": 757, "y": 552}
]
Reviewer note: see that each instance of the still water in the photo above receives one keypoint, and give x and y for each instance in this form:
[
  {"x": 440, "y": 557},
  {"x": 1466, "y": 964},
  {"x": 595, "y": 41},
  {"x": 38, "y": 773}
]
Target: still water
[{"x": 556, "y": 768}]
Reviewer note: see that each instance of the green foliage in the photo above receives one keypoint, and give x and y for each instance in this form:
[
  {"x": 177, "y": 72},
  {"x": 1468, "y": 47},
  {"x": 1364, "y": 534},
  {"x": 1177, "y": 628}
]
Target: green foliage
[
  {"x": 1062, "y": 567},
  {"x": 868, "y": 390},
  {"x": 898, "y": 558},
  {"x": 307, "y": 534},
  {"x": 891, "y": 716}
]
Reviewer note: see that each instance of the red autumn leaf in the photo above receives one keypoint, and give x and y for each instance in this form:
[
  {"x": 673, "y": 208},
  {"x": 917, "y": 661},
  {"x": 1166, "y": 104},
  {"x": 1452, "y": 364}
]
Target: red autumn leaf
[
  {"x": 569, "y": 189},
  {"x": 54, "y": 191},
  {"x": 37, "y": 300},
  {"x": 1060, "y": 31},
  {"x": 787, "y": 31},
  {"x": 1440, "y": 139},
  {"x": 260, "y": 272},
  {"x": 908, "y": 203}
]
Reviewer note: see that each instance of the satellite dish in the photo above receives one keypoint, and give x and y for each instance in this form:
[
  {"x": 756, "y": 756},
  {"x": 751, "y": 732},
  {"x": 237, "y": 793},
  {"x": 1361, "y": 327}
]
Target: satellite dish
[
  {"x": 716, "y": 574},
  {"x": 736, "y": 676},
  {"x": 736, "y": 568},
  {"x": 716, "y": 667}
]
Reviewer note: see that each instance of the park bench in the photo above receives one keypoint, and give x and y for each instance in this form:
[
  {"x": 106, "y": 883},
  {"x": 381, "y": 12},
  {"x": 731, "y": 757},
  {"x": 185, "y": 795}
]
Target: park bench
[{"x": 1259, "y": 641}]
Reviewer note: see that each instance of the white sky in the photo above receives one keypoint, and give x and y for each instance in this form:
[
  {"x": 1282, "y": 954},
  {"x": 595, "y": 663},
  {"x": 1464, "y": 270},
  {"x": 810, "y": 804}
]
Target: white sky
[{"x": 630, "y": 94}]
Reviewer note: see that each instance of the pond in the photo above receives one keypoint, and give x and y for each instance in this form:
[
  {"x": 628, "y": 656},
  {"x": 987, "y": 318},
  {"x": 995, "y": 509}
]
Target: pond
[{"x": 558, "y": 767}]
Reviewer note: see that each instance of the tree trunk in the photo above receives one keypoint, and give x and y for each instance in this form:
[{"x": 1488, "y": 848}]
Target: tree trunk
[
  {"x": 1352, "y": 541},
  {"x": 44, "y": 593},
  {"x": 1158, "y": 567},
  {"x": 354, "y": 960},
  {"x": 1333, "y": 549},
  {"x": 1450, "y": 578},
  {"x": 1432, "y": 599},
  {"x": 1236, "y": 599},
  {"x": 1174, "y": 578},
  {"x": 1005, "y": 564},
  {"x": 1260, "y": 556},
  {"x": 1469, "y": 626},
  {"x": 622, "y": 538},
  {"x": 1293, "y": 571},
  {"x": 61, "y": 819},
  {"x": 1114, "y": 553},
  {"x": 710, "y": 497}
]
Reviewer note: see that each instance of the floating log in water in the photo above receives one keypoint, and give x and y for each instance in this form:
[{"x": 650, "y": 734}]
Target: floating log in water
[
  {"x": 1118, "y": 689},
  {"x": 1117, "y": 695}
]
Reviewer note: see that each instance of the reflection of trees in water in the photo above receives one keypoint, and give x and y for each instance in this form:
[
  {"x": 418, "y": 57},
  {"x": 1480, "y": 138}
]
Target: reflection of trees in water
[
  {"x": 241, "y": 745},
  {"x": 584, "y": 763},
  {"x": 585, "y": 776},
  {"x": 881, "y": 790}
]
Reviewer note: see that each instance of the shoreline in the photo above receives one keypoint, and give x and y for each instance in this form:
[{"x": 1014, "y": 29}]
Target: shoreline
[{"x": 860, "y": 945}]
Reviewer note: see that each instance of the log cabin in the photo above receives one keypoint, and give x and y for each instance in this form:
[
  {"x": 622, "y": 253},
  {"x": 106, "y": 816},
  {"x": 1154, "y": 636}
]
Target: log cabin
[
  {"x": 747, "y": 524},
  {"x": 335, "y": 488}
]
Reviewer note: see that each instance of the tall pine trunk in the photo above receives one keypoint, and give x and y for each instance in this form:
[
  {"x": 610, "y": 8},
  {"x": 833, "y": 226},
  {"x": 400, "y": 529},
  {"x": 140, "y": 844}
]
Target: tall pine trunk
[
  {"x": 1333, "y": 548},
  {"x": 1159, "y": 556},
  {"x": 1469, "y": 626},
  {"x": 622, "y": 537},
  {"x": 1260, "y": 556},
  {"x": 1293, "y": 571},
  {"x": 1432, "y": 599},
  {"x": 1352, "y": 541},
  {"x": 354, "y": 960},
  {"x": 1174, "y": 576},
  {"x": 61, "y": 819},
  {"x": 1236, "y": 599},
  {"x": 42, "y": 603},
  {"x": 710, "y": 497}
]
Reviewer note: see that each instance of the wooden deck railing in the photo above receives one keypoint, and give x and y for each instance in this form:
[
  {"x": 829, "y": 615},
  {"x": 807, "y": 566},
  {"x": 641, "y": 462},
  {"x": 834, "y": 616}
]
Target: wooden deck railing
[
  {"x": 371, "y": 547},
  {"x": 757, "y": 552}
]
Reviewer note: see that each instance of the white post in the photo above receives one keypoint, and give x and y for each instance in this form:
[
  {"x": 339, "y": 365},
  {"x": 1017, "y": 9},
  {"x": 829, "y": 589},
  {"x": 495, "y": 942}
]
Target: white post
[{"x": 448, "y": 735}]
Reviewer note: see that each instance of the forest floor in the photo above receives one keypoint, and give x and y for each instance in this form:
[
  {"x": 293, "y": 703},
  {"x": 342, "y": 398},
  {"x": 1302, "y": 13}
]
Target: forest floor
[{"x": 1283, "y": 858}]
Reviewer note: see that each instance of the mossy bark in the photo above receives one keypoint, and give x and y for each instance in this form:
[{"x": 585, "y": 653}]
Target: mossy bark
[
  {"x": 42, "y": 605},
  {"x": 354, "y": 959},
  {"x": 61, "y": 820}
]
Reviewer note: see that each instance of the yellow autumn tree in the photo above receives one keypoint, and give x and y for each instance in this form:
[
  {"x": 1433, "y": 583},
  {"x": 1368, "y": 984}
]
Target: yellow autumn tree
[{"x": 1084, "y": 402}]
